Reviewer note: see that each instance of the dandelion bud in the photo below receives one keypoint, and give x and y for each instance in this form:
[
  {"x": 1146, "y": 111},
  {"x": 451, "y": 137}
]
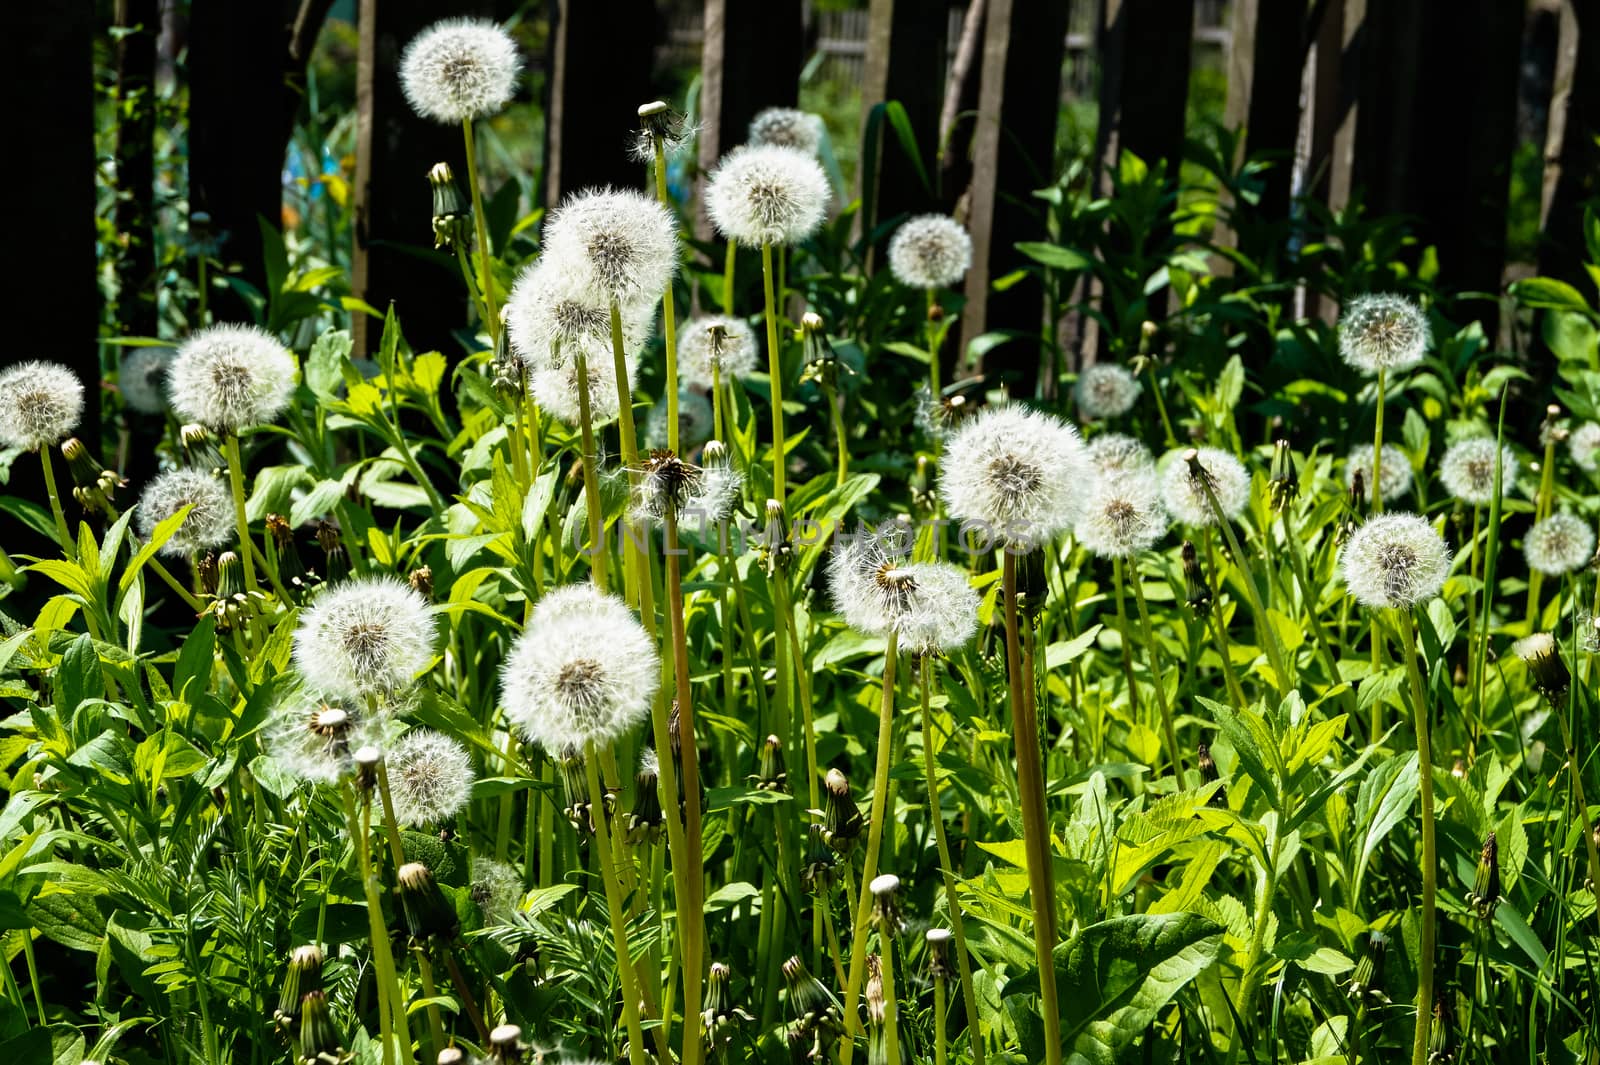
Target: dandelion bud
[
  {"x": 815, "y": 1008},
  {"x": 1545, "y": 667},
  {"x": 366, "y": 761},
  {"x": 460, "y": 69},
  {"x": 40, "y": 403},
  {"x": 428, "y": 913},
  {"x": 1553, "y": 429},
  {"x": 842, "y": 820},
  {"x": 777, "y": 553},
  {"x": 1485, "y": 893},
  {"x": 205, "y": 570},
  {"x": 770, "y": 774},
  {"x": 646, "y": 821},
  {"x": 232, "y": 605},
  {"x": 452, "y": 1056},
  {"x": 92, "y": 484},
  {"x": 820, "y": 870},
  {"x": 1197, "y": 590},
  {"x": 885, "y": 908},
  {"x": 505, "y": 1045},
  {"x": 720, "y": 1016},
  {"x": 575, "y": 785},
  {"x": 1356, "y": 490},
  {"x": 939, "y": 940},
  {"x": 296, "y": 579},
  {"x": 319, "y": 1039},
  {"x": 302, "y": 976},
  {"x": 1210, "y": 773},
  {"x": 1367, "y": 983},
  {"x": 1285, "y": 484},
  {"x": 1383, "y": 332},
  {"x": 452, "y": 217},
  {"x": 1441, "y": 1033}
]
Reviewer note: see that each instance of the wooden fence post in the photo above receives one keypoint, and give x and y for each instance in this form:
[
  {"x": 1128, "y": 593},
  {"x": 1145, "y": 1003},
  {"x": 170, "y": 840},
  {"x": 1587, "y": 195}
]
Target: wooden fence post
[
  {"x": 905, "y": 62},
  {"x": 1572, "y": 159}
]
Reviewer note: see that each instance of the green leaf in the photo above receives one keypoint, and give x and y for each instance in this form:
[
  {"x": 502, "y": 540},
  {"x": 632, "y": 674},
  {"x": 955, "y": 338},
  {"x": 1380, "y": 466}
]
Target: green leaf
[
  {"x": 158, "y": 538},
  {"x": 1055, "y": 255},
  {"x": 1384, "y": 801},
  {"x": 78, "y": 676},
  {"x": 1114, "y": 978},
  {"x": 1550, "y": 294},
  {"x": 324, "y": 362}
]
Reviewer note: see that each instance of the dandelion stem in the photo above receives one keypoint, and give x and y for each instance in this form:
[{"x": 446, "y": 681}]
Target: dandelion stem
[
  {"x": 1123, "y": 640},
  {"x": 1375, "y": 489},
  {"x": 869, "y": 868},
  {"x": 669, "y": 322},
  {"x": 932, "y": 331},
  {"x": 430, "y": 991},
  {"x": 378, "y": 936},
  {"x": 1425, "y": 950},
  {"x": 391, "y": 831},
  {"x": 947, "y": 870},
  {"x": 840, "y": 437},
  {"x": 1035, "y": 820},
  {"x": 940, "y": 1054},
  {"x": 241, "y": 520},
  {"x": 591, "y": 483},
  {"x": 63, "y": 530},
  {"x": 728, "y": 264},
  {"x": 775, "y": 370},
  {"x": 619, "y": 929},
  {"x": 1265, "y": 631},
  {"x": 891, "y": 1007},
  {"x": 1153, "y": 649},
  {"x": 1250, "y": 979},
  {"x": 491, "y": 316}
]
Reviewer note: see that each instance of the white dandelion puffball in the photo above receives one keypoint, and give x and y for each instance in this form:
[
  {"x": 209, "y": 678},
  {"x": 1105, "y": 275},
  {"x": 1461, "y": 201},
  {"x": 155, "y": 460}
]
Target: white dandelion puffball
[
  {"x": 1394, "y": 560},
  {"x": 1184, "y": 493},
  {"x": 787, "y": 127},
  {"x": 496, "y": 888},
  {"x": 618, "y": 244},
  {"x": 551, "y": 317},
  {"x": 583, "y": 670},
  {"x": 555, "y": 389},
  {"x": 877, "y": 589},
  {"x": 366, "y": 636},
  {"x": 1467, "y": 470},
  {"x": 40, "y": 405},
  {"x": 210, "y": 519},
  {"x": 1123, "y": 516},
  {"x": 767, "y": 195},
  {"x": 430, "y": 778},
  {"x": 314, "y": 739},
  {"x": 460, "y": 69},
  {"x": 695, "y": 494},
  {"x": 726, "y": 345},
  {"x": 1559, "y": 544},
  {"x": 930, "y": 251},
  {"x": 1383, "y": 332},
  {"x": 1115, "y": 453},
  {"x": 1106, "y": 390},
  {"x": 143, "y": 379},
  {"x": 230, "y": 377},
  {"x": 1584, "y": 445},
  {"x": 1020, "y": 472},
  {"x": 1395, "y": 473},
  {"x": 696, "y": 420}
]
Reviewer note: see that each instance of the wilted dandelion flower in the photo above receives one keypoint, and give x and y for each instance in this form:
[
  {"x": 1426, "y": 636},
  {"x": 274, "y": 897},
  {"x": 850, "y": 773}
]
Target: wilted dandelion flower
[
  {"x": 1584, "y": 444},
  {"x": 786, "y": 127},
  {"x": 877, "y": 589},
  {"x": 1467, "y": 469},
  {"x": 1117, "y": 453},
  {"x": 1383, "y": 332},
  {"x": 367, "y": 636},
  {"x": 460, "y": 69},
  {"x": 1020, "y": 472},
  {"x": 1123, "y": 516},
  {"x": 696, "y": 421},
  {"x": 430, "y": 778},
  {"x": 210, "y": 519},
  {"x": 1396, "y": 471},
  {"x": 583, "y": 670},
  {"x": 314, "y": 739},
  {"x": 143, "y": 379},
  {"x": 658, "y": 120},
  {"x": 230, "y": 377},
  {"x": 1185, "y": 495},
  {"x": 618, "y": 244},
  {"x": 1559, "y": 544},
  {"x": 1395, "y": 560},
  {"x": 727, "y": 345},
  {"x": 1106, "y": 390},
  {"x": 767, "y": 195},
  {"x": 930, "y": 251},
  {"x": 496, "y": 888},
  {"x": 40, "y": 404},
  {"x": 669, "y": 484}
]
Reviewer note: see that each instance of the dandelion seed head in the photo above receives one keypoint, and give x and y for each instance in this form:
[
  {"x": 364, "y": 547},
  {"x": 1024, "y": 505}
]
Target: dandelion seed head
[
  {"x": 230, "y": 377},
  {"x": 368, "y": 636},
  {"x": 1396, "y": 471},
  {"x": 767, "y": 194},
  {"x": 555, "y": 389},
  {"x": 878, "y": 589},
  {"x": 583, "y": 670},
  {"x": 549, "y": 314},
  {"x": 460, "y": 69},
  {"x": 1467, "y": 470},
  {"x": 1123, "y": 516},
  {"x": 314, "y": 739},
  {"x": 1559, "y": 544},
  {"x": 1106, "y": 390},
  {"x": 209, "y": 522},
  {"x": 695, "y": 422},
  {"x": 496, "y": 888},
  {"x": 1383, "y": 332},
  {"x": 1584, "y": 446},
  {"x": 618, "y": 243},
  {"x": 1112, "y": 454},
  {"x": 143, "y": 379},
  {"x": 787, "y": 127},
  {"x": 1394, "y": 560},
  {"x": 1184, "y": 493},
  {"x": 693, "y": 493},
  {"x": 930, "y": 251},
  {"x": 1020, "y": 472},
  {"x": 41, "y": 404},
  {"x": 714, "y": 342},
  {"x": 430, "y": 778}
]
